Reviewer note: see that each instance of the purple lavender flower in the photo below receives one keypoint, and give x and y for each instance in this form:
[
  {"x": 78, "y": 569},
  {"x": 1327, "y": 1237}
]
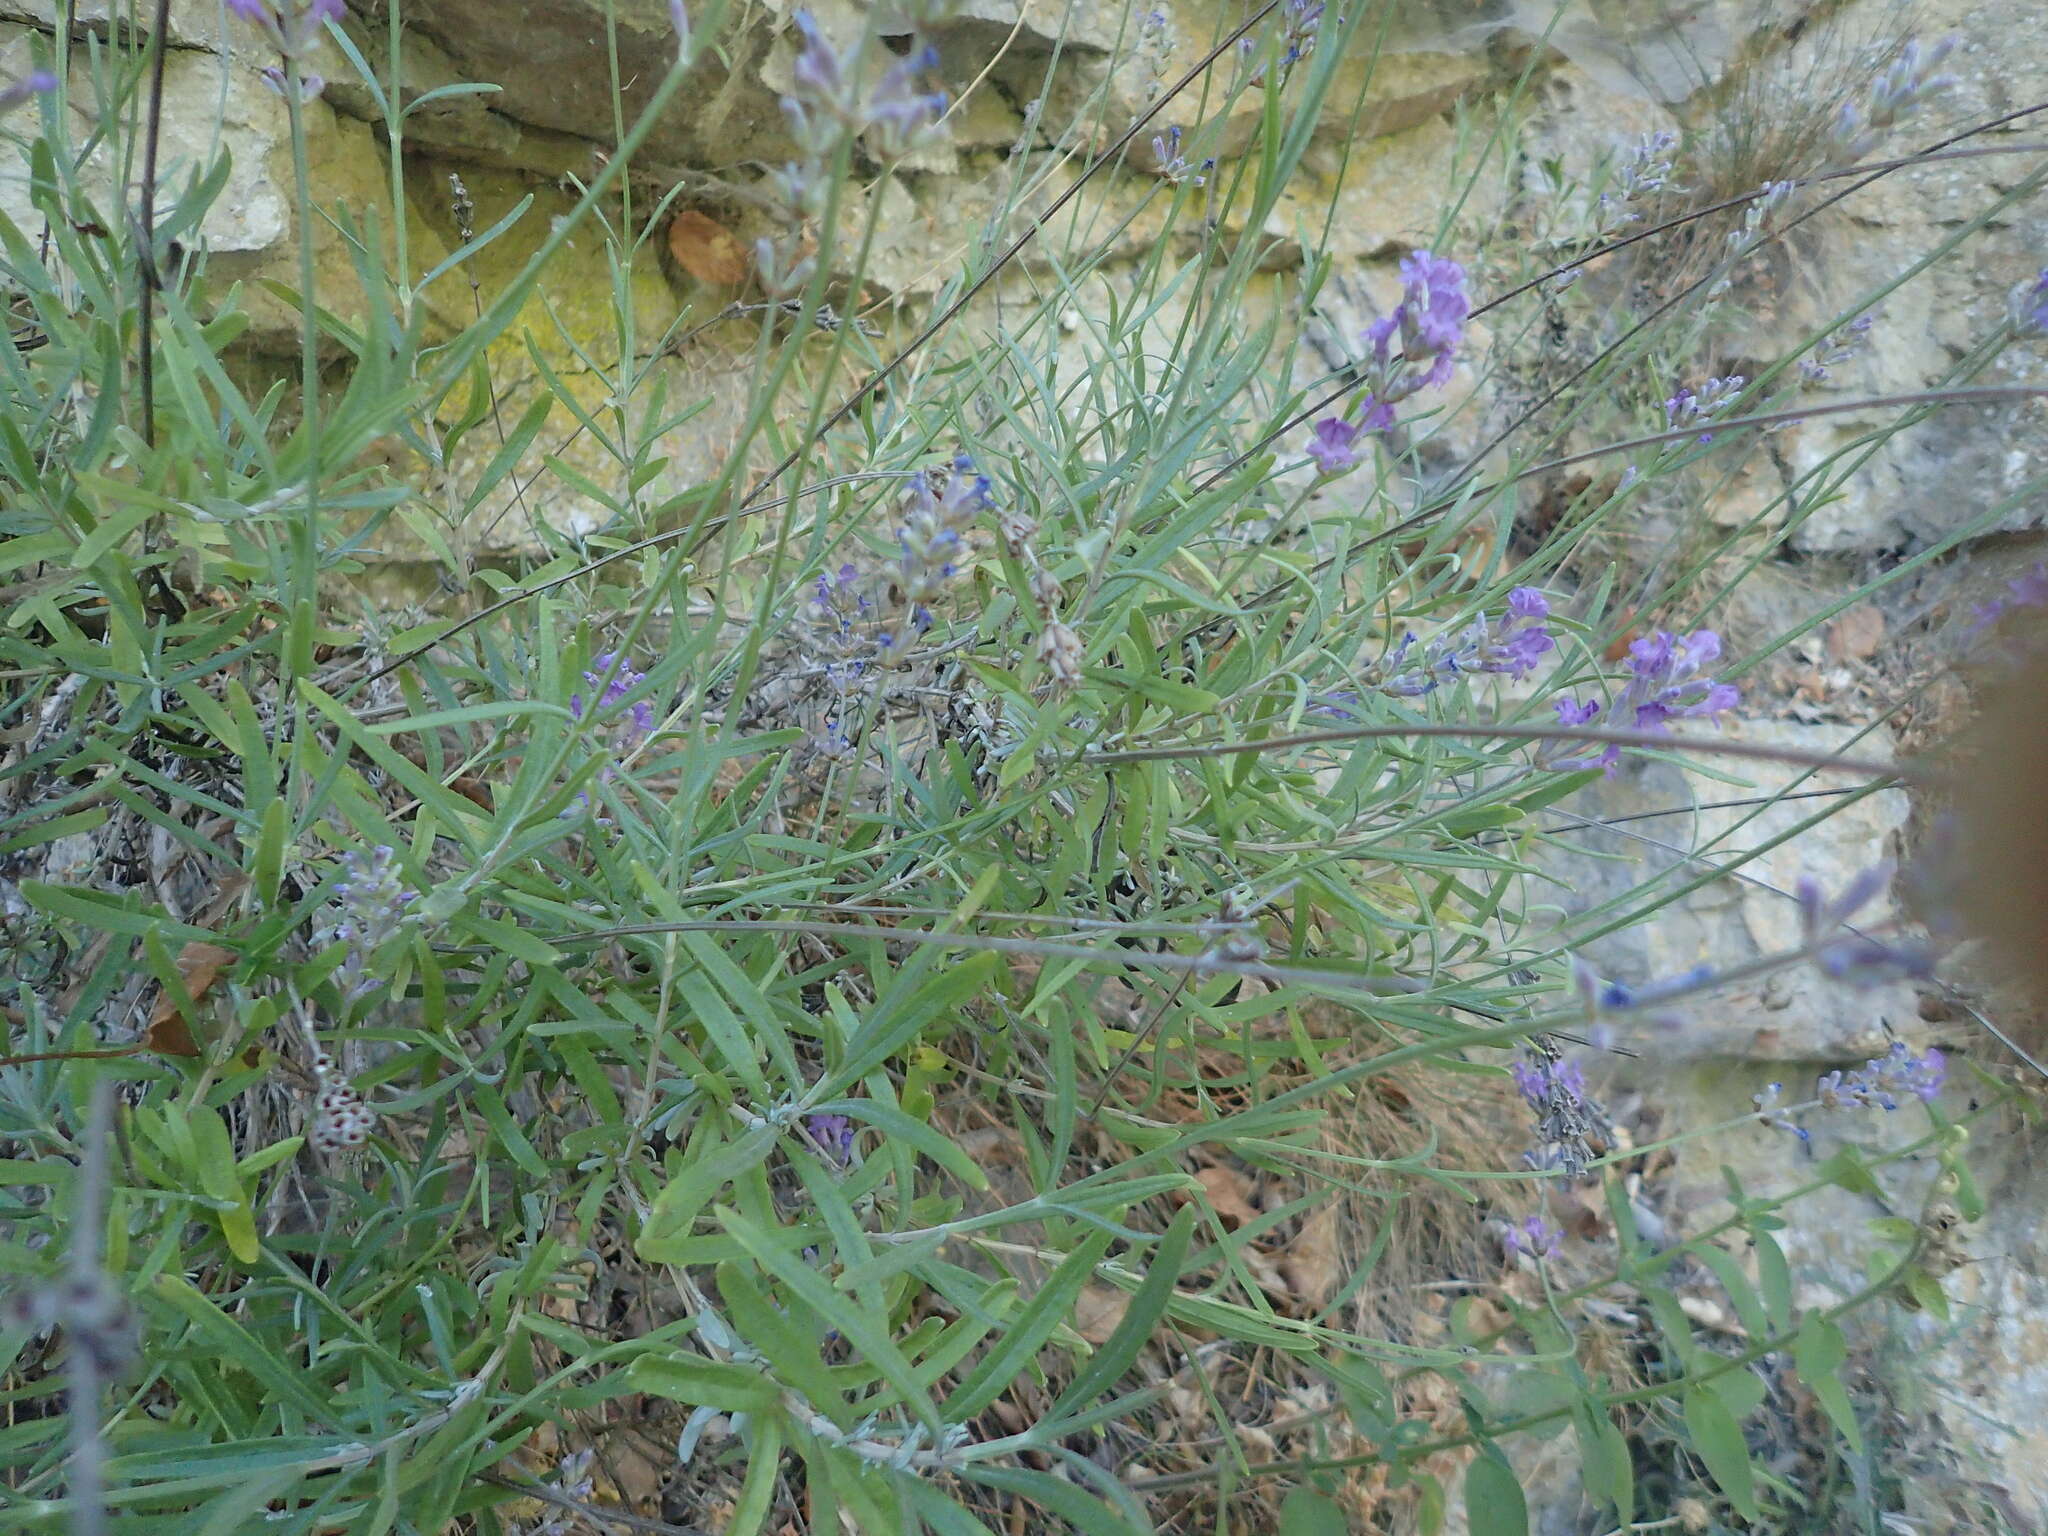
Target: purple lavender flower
[
  {"x": 1768, "y": 1112},
  {"x": 860, "y": 616},
  {"x": 37, "y": 82},
  {"x": 373, "y": 904},
  {"x": 1835, "y": 349},
  {"x": 1555, "y": 1090},
  {"x": 1534, "y": 1237},
  {"x": 1907, "y": 84},
  {"x": 1691, "y": 405},
  {"x": 1645, "y": 170},
  {"x": 1173, "y": 165},
  {"x": 1568, "y": 757},
  {"x": 295, "y": 27},
  {"x": 1538, "y": 1078},
  {"x": 1664, "y": 684},
  {"x": 1430, "y": 318},
  {"x": 931, "y": 537},
  {"x": 1520, "y": 638},
  {"x": 2029, "y": 589},
  {"x": 1884, "y": 1081},
  {"x": 898, "y": 111},
  {"x": 816, "y": 70},
  {"x": 1665, "y": 681},
  {"x": 831, "y": 1135},
  {"x": 1300, "y": 21},
  {"x": 1509, "y": 645},
  {"x": 1333, "y": 444},
  {"x": 2033, "y": 304},
  {"x": 1857, "y": 959},
  {"x": 623, "y": 681}
]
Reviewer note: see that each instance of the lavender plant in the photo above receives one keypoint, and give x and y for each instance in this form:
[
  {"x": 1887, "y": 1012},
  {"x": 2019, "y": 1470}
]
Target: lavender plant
[{"x": 979, "y": 1063}]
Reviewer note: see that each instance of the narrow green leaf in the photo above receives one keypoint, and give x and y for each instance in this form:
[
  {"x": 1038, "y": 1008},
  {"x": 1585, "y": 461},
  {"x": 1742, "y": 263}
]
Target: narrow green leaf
[
  {"x": 676, "y": 1208},
  {"x": 714, "y": 1383},
  {"x": 865, "y": 1332},
  {"x": 237, "y": 1348},
  {"x": 1028, "y": 1332},
  {"x": 1717, "y": 1437},
  {"x": 1140, "y": 1318},
  {"x": 1090, "y": 1516},
  {"x": 1819, "y": 1352}
]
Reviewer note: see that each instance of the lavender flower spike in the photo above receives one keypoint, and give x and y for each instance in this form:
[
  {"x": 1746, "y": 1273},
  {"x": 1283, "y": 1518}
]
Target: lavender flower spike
[
  {"x": 817, "y": 72},
  {"x": 832, "y": 1135},
  {"x": 37, "y": 82},
  {"x": 294, "y": 27},
  {"x": 374, "y": 905},
  {"x": 1883, "y": 1081},
  {"x": 1564, "y": 757},
  {"x": 1665, "y": 680},
  {"x": 1691, "y": 405},
  {"x": 2032, "y": 306},
  {"x": 1511, "y": 644},
  {"x": 1532, "y": 1236},
  {"x": 623, "y": 681},
  {"x": 1430, "y": 318},
  {"x": 1857, "y": 959},
  {"x": 898, "y": 111}
]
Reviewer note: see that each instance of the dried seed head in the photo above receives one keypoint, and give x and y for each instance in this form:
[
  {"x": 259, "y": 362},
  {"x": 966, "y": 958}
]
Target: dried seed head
[
  {"x": 1060, "y": 649},
  {"x": 1016, "y": 528},
  {"x": 341, "y": 1120},
  {"x": 463, "y": 207}
]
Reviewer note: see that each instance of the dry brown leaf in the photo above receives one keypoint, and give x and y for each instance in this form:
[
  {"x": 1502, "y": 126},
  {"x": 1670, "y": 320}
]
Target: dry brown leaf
[
  {"x": 1099, "y": 1310},
  {"x": 199, "y": 967},
  {"x": 1310, "y": 1263},
  {"x": 1484, "y": 1319},
  {"x": 1857, "y": 633},
  {"x": 1229, "y": 1195},
  {"x": 706, "y": 249}
]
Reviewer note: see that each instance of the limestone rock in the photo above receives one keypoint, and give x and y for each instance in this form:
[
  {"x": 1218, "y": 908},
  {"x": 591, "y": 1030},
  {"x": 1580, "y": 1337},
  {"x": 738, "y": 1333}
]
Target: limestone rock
[{"x": 1796, "y": 1015}]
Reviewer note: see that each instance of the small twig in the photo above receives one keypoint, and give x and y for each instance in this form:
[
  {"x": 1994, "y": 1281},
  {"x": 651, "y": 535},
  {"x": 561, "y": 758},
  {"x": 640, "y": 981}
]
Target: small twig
[
  {"x": 1652, "y": 739},
  {"x": 149, "y": 278},
  {"x": 89, "y": 1356},
  {"x": 596, "y": 1513}
]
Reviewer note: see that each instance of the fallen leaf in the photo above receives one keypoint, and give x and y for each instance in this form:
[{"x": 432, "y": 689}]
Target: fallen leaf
[
  {"x": 706, "y": 249},
  {"x": 199, "y": 967},
  {"x": 1708, "y": 1314},
  {"x": 1857, "y": 633},
  {"x": 1099, "y": 1310},
  {"x": 1265, "y": 1272},
  {"x": 1310, "y": 1263},
  {"x": 1483, "y": 1319},
  {"x": 1229, "y": 1195}
]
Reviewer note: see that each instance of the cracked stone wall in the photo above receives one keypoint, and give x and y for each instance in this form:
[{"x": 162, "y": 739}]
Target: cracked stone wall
[{"x": 1034, "y": 79}]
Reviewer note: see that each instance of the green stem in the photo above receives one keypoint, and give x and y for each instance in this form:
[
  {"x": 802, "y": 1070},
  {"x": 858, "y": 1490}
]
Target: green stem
[{"x": 305, "y": 577}]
